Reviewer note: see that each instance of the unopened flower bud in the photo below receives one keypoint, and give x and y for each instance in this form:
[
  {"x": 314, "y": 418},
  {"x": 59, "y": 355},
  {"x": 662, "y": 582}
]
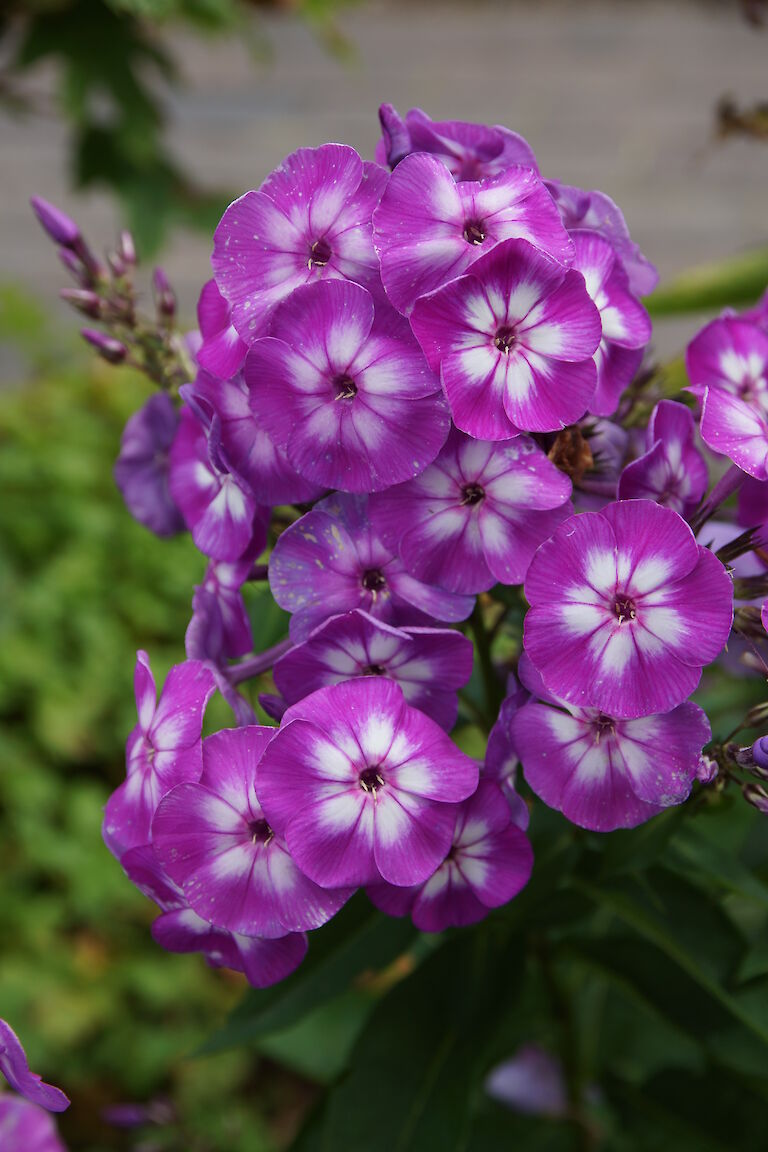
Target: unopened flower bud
[
  {"x": 757, "y": 796},
  {"x": 397, "y": 138},
  {"x": 60, "y": 227},
  {"x": 760, "y": 752},
  {"x": 707, "y": 769},
  {"x": 75, "y": 266},
  {"x": 116, "y": 263},
  {"x": 165, "y": 299},
  {"x": 83, "y": 300},
  {"x": 126, "y": 248},
  {"x": 756, "y": 716},
  {"x": 111, "y": 350}
]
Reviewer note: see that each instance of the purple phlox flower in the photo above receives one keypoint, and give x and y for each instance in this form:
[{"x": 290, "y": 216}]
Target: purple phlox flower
[
  {"x": 672, "y": 470},
  {"x": 180, "y": 929},
  {"x": 727, "y": 365},
  {"x": 469, "y": 151},
  {"x": 346, "y": 389},
  {"x": 625, "y": 323},
  {"x": 213, "y": 840},
  {"x": 752, "y": 503},
  {"x": 254, "y": 455},
  {"x": 598, "y": 213},
  {"x": 220, "y": 629},
  {"x": 163, "y": 749},
  {"x": 760, "y": 752},
  {"x": 221, "y": 350},
  {"x": 501, "y": 759},
  {"x": 429, "y": 664},
  {"x": 15, "y": 1069},
  {"x": 428, "y": 229},
  {"x": 25, "y": 1127},
  {"x": 626, "y": 609},
  {"x": 604, "y": 773},
  {"x": 513, "y": 340},
  {"x": 477, "y": 515},
  {"x": 531, "y": 1082},
  {"x": 488, "y": 863},
  {"x": 332, "y": 560},
  {"x": 219, "y": 508},
  {"x": 310, "y": 220},
  {"x": 142, "y": 466},
  {"x": 363, "y": 787}
]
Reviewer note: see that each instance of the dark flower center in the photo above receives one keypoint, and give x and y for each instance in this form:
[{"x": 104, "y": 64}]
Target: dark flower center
[
  {"x": 320, "y": 253},
  {"x": 474, "y": 231},
  {"x": 504, "y": 339},
  {"x": 374, "y": 580},
  {"x": 373, "y": 670},
  {"x": 261, "y": 833},
  {"x": 371, "y": 780},
  {"x": 603, "y": 726},
  {"x": 624, "y": 608},
  {"x": 472, "y": 494},
  {"x": 346, "y": 389}
]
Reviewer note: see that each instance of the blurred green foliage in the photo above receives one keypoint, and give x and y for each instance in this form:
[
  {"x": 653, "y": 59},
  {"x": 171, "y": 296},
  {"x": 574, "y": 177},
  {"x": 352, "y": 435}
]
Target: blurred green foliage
[{"x": 114, "y": 62}]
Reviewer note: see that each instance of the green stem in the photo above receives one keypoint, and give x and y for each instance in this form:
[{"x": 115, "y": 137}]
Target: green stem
[{"x": 494, "y": 689}]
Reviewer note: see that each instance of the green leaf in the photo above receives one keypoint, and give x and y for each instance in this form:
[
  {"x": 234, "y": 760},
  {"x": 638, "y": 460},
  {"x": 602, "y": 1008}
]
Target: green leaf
[
  {"x": 704, "y": 859},
  {"x": 359, "y": 941},
  {"x": 415, "y": 1071},
  {"x": 736, "y": 281}
]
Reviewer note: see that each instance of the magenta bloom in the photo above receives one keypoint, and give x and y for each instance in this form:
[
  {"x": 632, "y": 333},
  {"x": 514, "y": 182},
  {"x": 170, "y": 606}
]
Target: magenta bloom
[
  {"x": 428, "y": 229},
  {"x": 332, "y": 560},
  {"x": 603, "y": 772},
  {"x": 347, "y": 392},
  {"x": 626, "y": 609},
  {"x": 734, "y": 428},
  {"x": 469, "y": 151},
  {"x": 362, "y": 786},
  {"x": 221, "y": 350},
  {"x": 218, "y": 507},
  {"x": 220, "y": 629},
  {"x": 514, "y": 341},
  {"x": 598, "y": 213},
  {"x": 625, "y": 323},
  {"x": 672, "y": 471},
  {"x": 501, "y": 759},
  {"x": 141, "y": 468},
  {"x": 253, "y": 454},
  {"x": 25, "y": 1127},
  {"x": 162, "y": 750},
  {"x": 477, "y": 515},
  {"x": 731, "y": 354},
  {"x": 489, "y": 862},
  {"x": 212, "y": 838},
  {"x": 15, "y": 1069},
  {"x": 310, "y": 220},
  {"x": 180, "y": 929},
  {"x": 429, "y": 664}
]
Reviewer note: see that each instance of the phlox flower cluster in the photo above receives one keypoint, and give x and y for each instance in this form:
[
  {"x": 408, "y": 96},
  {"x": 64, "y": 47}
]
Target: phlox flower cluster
[{"x": 413, "y": 407}]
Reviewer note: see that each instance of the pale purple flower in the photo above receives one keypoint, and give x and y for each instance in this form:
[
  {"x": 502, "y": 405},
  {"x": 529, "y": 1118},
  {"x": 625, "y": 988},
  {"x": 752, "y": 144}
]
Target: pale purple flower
[
  {"x": 25, "y": 1127},
  {"x": 513, "y": 340},
  {"x": 221, "y": 350},
  {"x": 142, "y": 466},
  {"x": 501, "y": 759},
  {"x": 604, "y": 773},
  {"x": 731, "y": 354},
  {"x": 626, "y": 609},
  {"x": 363, "y": 787},
  {"x": 220, "y": 629},
  {"x": 15, "y": 1069},
  {"x": 163, "y": 749},
  {"x": 429, "y": 664},
  {"x": 672, "y": 470},
  {"x": 737, "y": 429},
  {"x": 477, "y": 515},
  {"x": 251, "y": 451},
  {"x": 180, "y": 929},
  {"x": 310, "y": 220},
  {"x": 332, "y": 560},
  {"x": 598, "y": 213},
  {"x": 488, "y": 863},
  {"x": 428, "y": 229},
  {"x": 469, "y": 151},
  {"x": 626, "y": 325},
  {"x": 219, "y": 508},
  {"x": 346, "y": 390},
  {"x": 213, "y": 840},
  {"x": 531, "y": 1082}
]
